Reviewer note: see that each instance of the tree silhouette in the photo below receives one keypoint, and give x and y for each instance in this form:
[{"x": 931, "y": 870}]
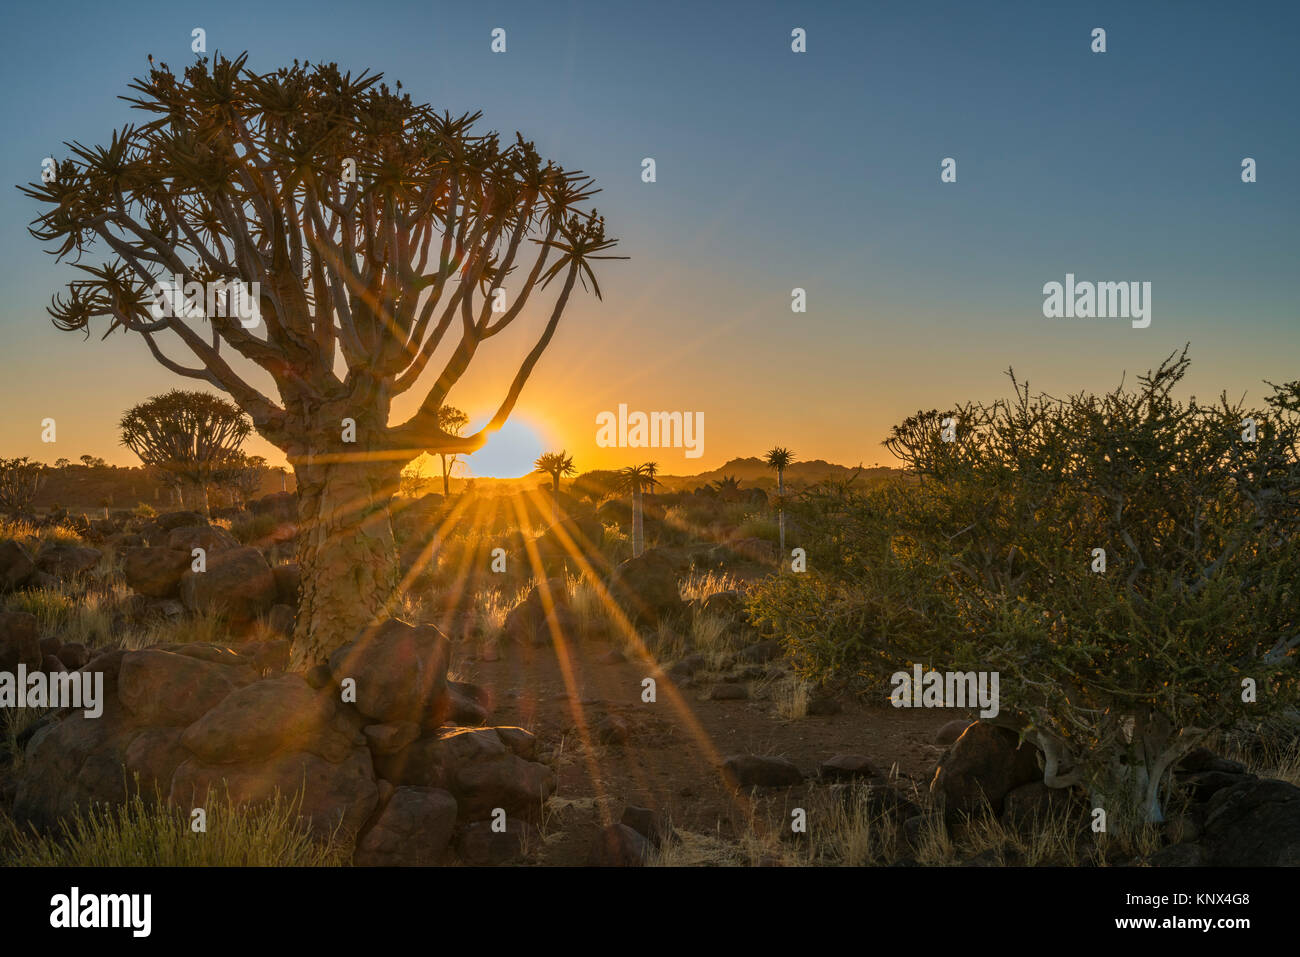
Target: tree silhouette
[
  {"x": 555, "y": 464},
  {"x": 452, "y": 421},
  {"x": 373, "y": 226},
  {"x": 19, "y": 481},
  {"x": 780, "y": 458},
  {"x": 638, "y": 479},
  {"x": 189, "y": 436}
]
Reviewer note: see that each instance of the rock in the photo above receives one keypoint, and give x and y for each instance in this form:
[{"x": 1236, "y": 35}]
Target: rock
[
  {"x": 521, "y": 742},
  {"x": 165, "y": 688},
  {"x": 1203, "y": 759},
  {"x": 74, "y": 655},
  {"x": 169, "y": 520},
  {"x": 648, "y": 824},
  {"x": 288, "y": 582},
  {"x": 618, "y": 846},
  {"x": 753, "y": 770},
  {"x": 725, "y": 692},
  {"x": 611, "y": 729},
  {"x": 155, "y": 572},
  {"x": 334, "y": 796},
  {"x": 271, "y": 715},
  {"x": 430, "y": 761},
  {"x": 281, "y": 619},
  {"x": 318, "y": 676},
  {"x": 480, "y": 846},
  {"x": 647, "y": 588},
  {"x": 520, "y": 787},
  {"x": 19, "y": 641},
  {"x": 983, "y": 764},
  {"x": 543, "y": 612},
  {"x": 1254, "y": 823},
  {"x": 16, "y": 566},
  {"x": 760, "y": 652},
  {"x": 400, "y": 671},
  {"x": 1203, "y": 785},
  {"x": 725, "y": 604},
  {"x": 271, "y": 655},
  {"x": 50, "y": 645},
  {"x": 64, "y": 559},
  {"x": 846, "y": 767},
  {"x": 50, "y": 664},
  {"x": 466, "y": 704},
  {"x": 1178, "y": 855},
  {"x": 413, "y": 830},
  {"x": 213, "y": 539},
  {"x": 951, "y": 731},
  {"x": 73, "y": 762},
  {"x": 390, "y": 738},
  {"x": 238, "y": 583}
]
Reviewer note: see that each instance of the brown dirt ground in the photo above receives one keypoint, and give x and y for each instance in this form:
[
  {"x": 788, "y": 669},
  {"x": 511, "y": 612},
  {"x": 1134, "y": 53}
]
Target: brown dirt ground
[{"x": 671, "y": 760}]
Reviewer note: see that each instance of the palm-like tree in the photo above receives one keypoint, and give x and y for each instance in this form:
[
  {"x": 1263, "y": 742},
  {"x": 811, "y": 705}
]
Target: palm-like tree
[
  {"x": 452, "y": 421},
  {"x": 780, "y": 458},
  {"x": 555, "y": 464},
  {"x": 637, "y": 479}
]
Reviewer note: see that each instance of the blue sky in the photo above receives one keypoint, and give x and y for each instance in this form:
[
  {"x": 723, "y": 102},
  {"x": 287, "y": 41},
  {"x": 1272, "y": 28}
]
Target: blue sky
[{"x": 775, "y": 170}]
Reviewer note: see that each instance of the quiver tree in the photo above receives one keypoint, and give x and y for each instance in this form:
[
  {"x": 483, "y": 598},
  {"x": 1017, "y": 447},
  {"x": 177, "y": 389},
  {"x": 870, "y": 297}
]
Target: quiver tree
[
  {"x": 20, "y": 479},
  {"x": 779, "y": 459},
  {"x": 637, "y": 480},
  {"x": 241, "y": 475},
  {"x": 378, "y": 232},
  {"x": 452, "y": 421},
  {"x": 555, "y": 464},
  {"x": 191, "y": 437}
]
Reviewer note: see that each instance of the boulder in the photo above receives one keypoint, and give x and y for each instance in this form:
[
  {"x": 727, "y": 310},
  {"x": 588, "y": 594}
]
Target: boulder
[
  {"x": 618, "y": 846},
  {"x": 65, "y": 559},
  {"x": 480, "y": 846},
  {"x": 213, "y": 539},
  {"x": 754, "y": 770},
  {"x": 390, "y": 738},
  {"x": 272, "y": 715},
  {"x": 650, "y": 825},
  {"x": 646, "y": 587},
  {"x": 1253, "y": 823},
  {"x": 983, "y": 764},
  {"x": 165, "y": 688},
  {"x": 400, "y": 671},
  {"x": 16, "y": 566},
  {"x": 413, "y": 830},
  {"x": 333, "y": 795},
  {"x": 280, "y": 619},
  {"x": 508, "y": 781},
  {"x": 237, "y": 583},
  {"x": 155, "y": 572},
  {"x": 846, "y": 767},
  {"x": 19, "y": 641},
  {"x": 169, "y": 520},
  {"x": 542, "y": 613},
  {"x": 951, "y": 731}
]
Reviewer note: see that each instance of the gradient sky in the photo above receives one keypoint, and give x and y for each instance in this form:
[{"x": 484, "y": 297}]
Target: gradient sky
[{"x": 775, "y": 170}]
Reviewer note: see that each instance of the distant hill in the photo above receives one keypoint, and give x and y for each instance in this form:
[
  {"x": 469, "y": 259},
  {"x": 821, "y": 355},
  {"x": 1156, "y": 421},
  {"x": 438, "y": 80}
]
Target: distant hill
[{"x": 753, "y": 471}]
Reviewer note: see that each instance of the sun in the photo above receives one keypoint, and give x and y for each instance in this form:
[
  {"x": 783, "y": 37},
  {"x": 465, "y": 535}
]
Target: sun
[{"x": 509, "y": 453}]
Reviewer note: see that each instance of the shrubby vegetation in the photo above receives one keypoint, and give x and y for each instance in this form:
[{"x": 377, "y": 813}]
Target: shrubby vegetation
[{"x": 985, "y": 560}]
